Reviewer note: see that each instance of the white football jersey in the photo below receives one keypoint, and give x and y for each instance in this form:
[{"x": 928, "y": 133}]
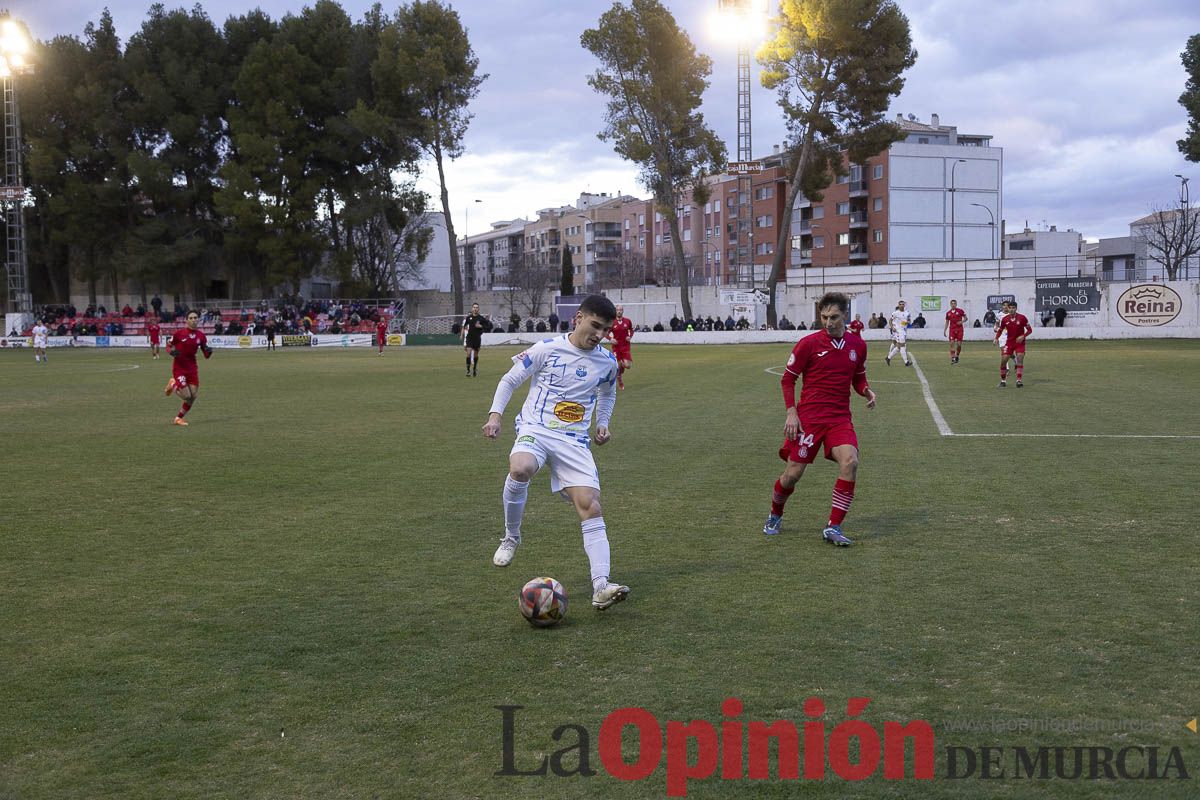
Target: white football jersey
[
  {"x": 39, "y": 334},
  {"x": 566, "y": 383},
  {"x": 900, "y": 320}
]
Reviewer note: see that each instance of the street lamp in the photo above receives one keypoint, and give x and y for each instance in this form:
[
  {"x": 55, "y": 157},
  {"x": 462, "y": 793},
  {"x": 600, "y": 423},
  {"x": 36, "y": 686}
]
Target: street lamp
[
  {"x": 953, "y": 189},
  {"x": 992, "y": 223},
  {"x": 14, "y": 51},
  {"x": 467, "y": 240},
  {"x": 1186, "y": 202}
]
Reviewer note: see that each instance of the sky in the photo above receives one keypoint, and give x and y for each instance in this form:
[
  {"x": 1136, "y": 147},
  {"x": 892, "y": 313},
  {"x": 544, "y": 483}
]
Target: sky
[{"x": 1082, "y": 95}]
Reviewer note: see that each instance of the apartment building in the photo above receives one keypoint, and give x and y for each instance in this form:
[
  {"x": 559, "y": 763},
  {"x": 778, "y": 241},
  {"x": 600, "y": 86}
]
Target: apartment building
[{"x": 488, "y": 257}]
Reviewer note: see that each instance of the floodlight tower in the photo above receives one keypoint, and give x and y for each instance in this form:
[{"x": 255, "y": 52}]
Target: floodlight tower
[
  {"x": 742, "y": 12},
  {"x": 14, "y": 49}
]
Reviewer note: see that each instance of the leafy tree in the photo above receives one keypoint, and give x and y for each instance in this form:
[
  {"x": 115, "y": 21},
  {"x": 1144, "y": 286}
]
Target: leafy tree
[
  {"x": 566, "y": 286},
  {"x": 835, "y": 65},
  {"x": 1190, "y": 99},
  {"x": 654, "y": 79},
  {"x": 426, "y": 63},
  {"x": 179, "y": 85}
]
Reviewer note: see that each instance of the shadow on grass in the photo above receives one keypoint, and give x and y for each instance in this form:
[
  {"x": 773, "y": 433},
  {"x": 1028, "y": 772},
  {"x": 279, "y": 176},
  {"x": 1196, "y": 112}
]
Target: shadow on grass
[{"x": 882, "y": 526}]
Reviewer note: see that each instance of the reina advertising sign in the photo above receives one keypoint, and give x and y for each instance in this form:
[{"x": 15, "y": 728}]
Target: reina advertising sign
[{"x": 1149, "y": 305}]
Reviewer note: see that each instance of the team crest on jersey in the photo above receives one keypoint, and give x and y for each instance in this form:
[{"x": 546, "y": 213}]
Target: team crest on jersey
[
  {"x": 791, "y": 359},
  {"x": 581, "y": 372},
  {"x": 854, "y": 355},
  {"x": 803, "y": 452}
]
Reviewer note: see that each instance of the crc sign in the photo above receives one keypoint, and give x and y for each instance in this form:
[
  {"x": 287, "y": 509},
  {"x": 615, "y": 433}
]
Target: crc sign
[
  {"x": 1073, "y": 294},
  {"x": 1149, "y": 305}
]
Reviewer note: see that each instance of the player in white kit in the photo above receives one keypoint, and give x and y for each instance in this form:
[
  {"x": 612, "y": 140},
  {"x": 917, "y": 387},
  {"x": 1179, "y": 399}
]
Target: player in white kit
[
  {"x": 573, "y": 377},
  {"x": 40, "y": 340},
  {"x": 898, "y": 324}
]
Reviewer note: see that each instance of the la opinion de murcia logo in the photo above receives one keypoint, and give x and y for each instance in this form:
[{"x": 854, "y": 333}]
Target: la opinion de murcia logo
[{"x": 1149, "y": 305}]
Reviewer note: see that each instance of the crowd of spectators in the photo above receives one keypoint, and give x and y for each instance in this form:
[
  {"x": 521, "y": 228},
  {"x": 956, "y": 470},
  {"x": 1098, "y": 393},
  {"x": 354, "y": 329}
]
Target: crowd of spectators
[{"x": 287, "y": 315}]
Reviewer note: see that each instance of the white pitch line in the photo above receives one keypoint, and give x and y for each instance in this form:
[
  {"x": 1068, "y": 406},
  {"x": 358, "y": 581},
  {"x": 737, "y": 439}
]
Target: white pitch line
[
  {"x": 942, "y": 426},
  {"x": 1081, "y": 435}
]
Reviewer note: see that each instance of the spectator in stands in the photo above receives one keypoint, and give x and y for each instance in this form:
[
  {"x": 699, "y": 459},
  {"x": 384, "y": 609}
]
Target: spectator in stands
[
  {"x": 127, "y": 311},
  {"x": 675, "y": 323},
  {"x": 919, "y": 322},
  {"x": 336, "y": 327},
  {"x": 785, "y": 324},
  {"x": 61, "y": 330},
  {"x": 553, "y": 320},
  {"x": 1060, "y": 316},
  {"x": 541, "y": 326},
  {"x": 658, "y": 327},
  {"x": 729, "y": 323},
  {"x": 719, "y": 325},
  {"x": 156, "y": 304},
  {"x": 219, "y": 328},
  {"x": 989, "y": 318},
  {"x": 529, "y": 325},
  {"x": 977, "y": 324}
]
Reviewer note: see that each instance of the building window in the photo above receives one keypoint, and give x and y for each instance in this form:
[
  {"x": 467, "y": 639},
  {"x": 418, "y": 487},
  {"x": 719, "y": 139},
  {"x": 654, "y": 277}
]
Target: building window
[
  {"x": 641, "y": 219},
  {"x": 627, "y": 244},
  {"x": 1021, "y": 245},
  {"x": 765, "y": 248},
  {"x": 879, "y": 204},
  {"x": 627, "y": 223},
  {"x": 765, "y": 221},
  {"x": 765, "y": 193},
  {"x": 878, "y": 235},
  {"x": 877, "y": 171},
  {"x": 922, "y": 140},
  {"x": 666, "y": 237},
  {"x": 657, "y": 216},
  {"x": 843, "y": 208},
  {"x": 657, "y": 239},
  {"x": 843, "y": 239},
  {"x": 818, "y": 212},
  {"x": 818, "y": 242},
  {"x": 687, "y": 234},
  {"x": 843, "y": 178}
]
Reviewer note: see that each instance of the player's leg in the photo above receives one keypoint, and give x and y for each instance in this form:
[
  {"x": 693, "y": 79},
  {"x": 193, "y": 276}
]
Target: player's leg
[
  {"x": 785, "y": 484},
  {"x": 845, "y": 454},
  {"x": 1019, "y": 357},
  {"x": 474, "y": 362},
  {"x": 903, "y": 345},
  {"x": 189, "y": 393},
  {"x": 523, "y": 464},
  {"x": 892, "y": 350},
  {"x": 586, "y": 500},
  {"x": 1003, "y": 367},
  {"x": 468, "y": 352}
]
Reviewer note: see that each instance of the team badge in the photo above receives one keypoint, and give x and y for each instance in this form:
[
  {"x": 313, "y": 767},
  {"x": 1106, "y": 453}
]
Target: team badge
[
  {"x": 804, "y": 452},
  {"x": 581, "y": 372},
  {"x": 854, "y": 355}
]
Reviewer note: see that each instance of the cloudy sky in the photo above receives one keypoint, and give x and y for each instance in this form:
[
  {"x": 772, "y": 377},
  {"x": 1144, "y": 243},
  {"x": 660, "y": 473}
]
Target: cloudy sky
[{"x": 1081, "y": 94}]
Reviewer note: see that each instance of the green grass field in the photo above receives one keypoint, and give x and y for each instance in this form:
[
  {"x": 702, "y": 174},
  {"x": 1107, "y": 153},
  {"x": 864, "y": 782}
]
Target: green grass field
[{"x": 294, "y": 596}]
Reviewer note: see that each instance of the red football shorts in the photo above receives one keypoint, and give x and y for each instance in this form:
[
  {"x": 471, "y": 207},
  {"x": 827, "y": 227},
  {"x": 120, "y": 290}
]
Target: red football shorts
[
  {"x": 623, "y": 353},
  {"x": 381, "y": 339},
  {"x": 1013, "y": 349},
  {"x": 153, "y": 340},
  {"x": 956, "y": 333},
  {"x": 804, "y": 449},
  {"x": 190, "y": 377}
]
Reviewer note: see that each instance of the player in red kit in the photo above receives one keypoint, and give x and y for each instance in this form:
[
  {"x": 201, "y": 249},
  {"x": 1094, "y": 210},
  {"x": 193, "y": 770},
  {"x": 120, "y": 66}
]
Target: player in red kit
[
  {"x": 1016, "y": 328},
  {"x": 153, "y": 331},
  {"x": 857, "y": 325},
  {"x": 953, "y": 330},
  {"x": 185, "y": 375},
  {"x": 621, "y": 333},
  {"x": 830, "y": 362},
  {"x": 381, "y": 334}
]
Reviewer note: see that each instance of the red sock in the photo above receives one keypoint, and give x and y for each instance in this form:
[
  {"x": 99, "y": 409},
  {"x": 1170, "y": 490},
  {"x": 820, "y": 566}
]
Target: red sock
[
  {"x": 186, "y": 407},
  {"x": 843, "y": 495},
  {"x": 779, "y": 497},
  {"x": 1003, "y": 371},
  {"x": 1020, "y": 370}
]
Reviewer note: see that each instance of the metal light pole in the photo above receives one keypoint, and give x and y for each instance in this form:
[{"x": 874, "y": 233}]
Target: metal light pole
[
  {"x": 992, "y": 224},
  {"x": 467, "y": 241},
  {"x": 953, "y": 189},
  {"x": 14, "y": 47},
  {"x": 1185, "y": 201}
]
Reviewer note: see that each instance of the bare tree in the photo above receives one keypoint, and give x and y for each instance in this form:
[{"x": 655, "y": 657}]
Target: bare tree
[
  {"x": 629, "y": 270},
  {"x": 390, "y": 253},
  {"x": 1172, "y": 236},
  {"x": 530, "y": 283}
]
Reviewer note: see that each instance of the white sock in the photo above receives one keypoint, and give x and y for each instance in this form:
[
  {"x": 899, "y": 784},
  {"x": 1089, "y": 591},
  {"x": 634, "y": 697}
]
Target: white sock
[
  {"x": 595, "y": 544},
  {"x": 515, "y": 494},
  {"x": 904, "y": 352},
  {"x": 892, "y": 351}
]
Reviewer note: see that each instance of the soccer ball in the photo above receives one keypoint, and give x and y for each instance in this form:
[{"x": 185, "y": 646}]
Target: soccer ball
[{"x": 543, "y": 601}]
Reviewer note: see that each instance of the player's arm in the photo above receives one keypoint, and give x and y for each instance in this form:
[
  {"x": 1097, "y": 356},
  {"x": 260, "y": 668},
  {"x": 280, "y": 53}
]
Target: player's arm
[
  {"x": 859, "y": 381},
  {"x": 204, "y": 348},
  {"x": 1025, "y": 334},
  {"x": 524, "y": 365},
  {"x": 171, "y": 350},
  {"x": 791, "y": 423},
  {"x": 606, "y": 400}
]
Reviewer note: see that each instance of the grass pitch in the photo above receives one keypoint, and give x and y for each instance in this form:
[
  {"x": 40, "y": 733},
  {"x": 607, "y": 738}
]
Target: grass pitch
[{"x": 294, "y": 597}]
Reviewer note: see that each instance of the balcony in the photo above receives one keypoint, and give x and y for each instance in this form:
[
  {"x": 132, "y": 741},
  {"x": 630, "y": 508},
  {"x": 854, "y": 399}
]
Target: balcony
[
  {"x": 858, "y": 250},
  {"x": 858, "y": 188},
  {"x": 805, "y": 226},
  {"x": 858, "y": 219}
]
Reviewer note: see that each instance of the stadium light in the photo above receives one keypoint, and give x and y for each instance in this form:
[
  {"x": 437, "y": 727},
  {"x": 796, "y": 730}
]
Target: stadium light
[
  {"x": 14, "y": 61},
  {"x": 953, "y": 189}
]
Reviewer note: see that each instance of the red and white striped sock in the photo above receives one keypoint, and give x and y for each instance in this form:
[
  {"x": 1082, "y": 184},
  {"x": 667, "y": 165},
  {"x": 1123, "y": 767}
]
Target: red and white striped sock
[
  {"x": 843, "y": 495},
  {"x": 186, "y": 407},
  {"x": 1020, "y": 371}
]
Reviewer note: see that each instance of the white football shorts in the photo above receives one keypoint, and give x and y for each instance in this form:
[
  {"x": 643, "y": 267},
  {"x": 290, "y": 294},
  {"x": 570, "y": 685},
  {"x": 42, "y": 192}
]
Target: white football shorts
[
  {"x": 571, "y": 462},
  {"x": 900, "y": 336}
]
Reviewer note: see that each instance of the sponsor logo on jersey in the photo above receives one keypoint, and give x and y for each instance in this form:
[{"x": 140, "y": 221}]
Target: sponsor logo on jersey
[
  {"x": 524, "y": 358},
  {"x": 526, "y": 439},
  {"x": 823, "y": 352},
  {"x": 568, "y": 411},
  {"x": 791, "y": 359}
]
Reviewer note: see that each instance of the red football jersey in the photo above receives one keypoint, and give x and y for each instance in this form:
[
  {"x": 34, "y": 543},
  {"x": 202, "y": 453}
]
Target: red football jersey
[
  {"x": 856, "y": 326},
  {"x": 153, "y": 331},
  {"x": 186, "y": 343},
  {"x": 622, "y": 332},
  {"x": 829, "y": 367},
  {"x": 1015, "y": 325},
  {"x": 955, "y": 317},
  {"x": 381, "y": 328}
]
